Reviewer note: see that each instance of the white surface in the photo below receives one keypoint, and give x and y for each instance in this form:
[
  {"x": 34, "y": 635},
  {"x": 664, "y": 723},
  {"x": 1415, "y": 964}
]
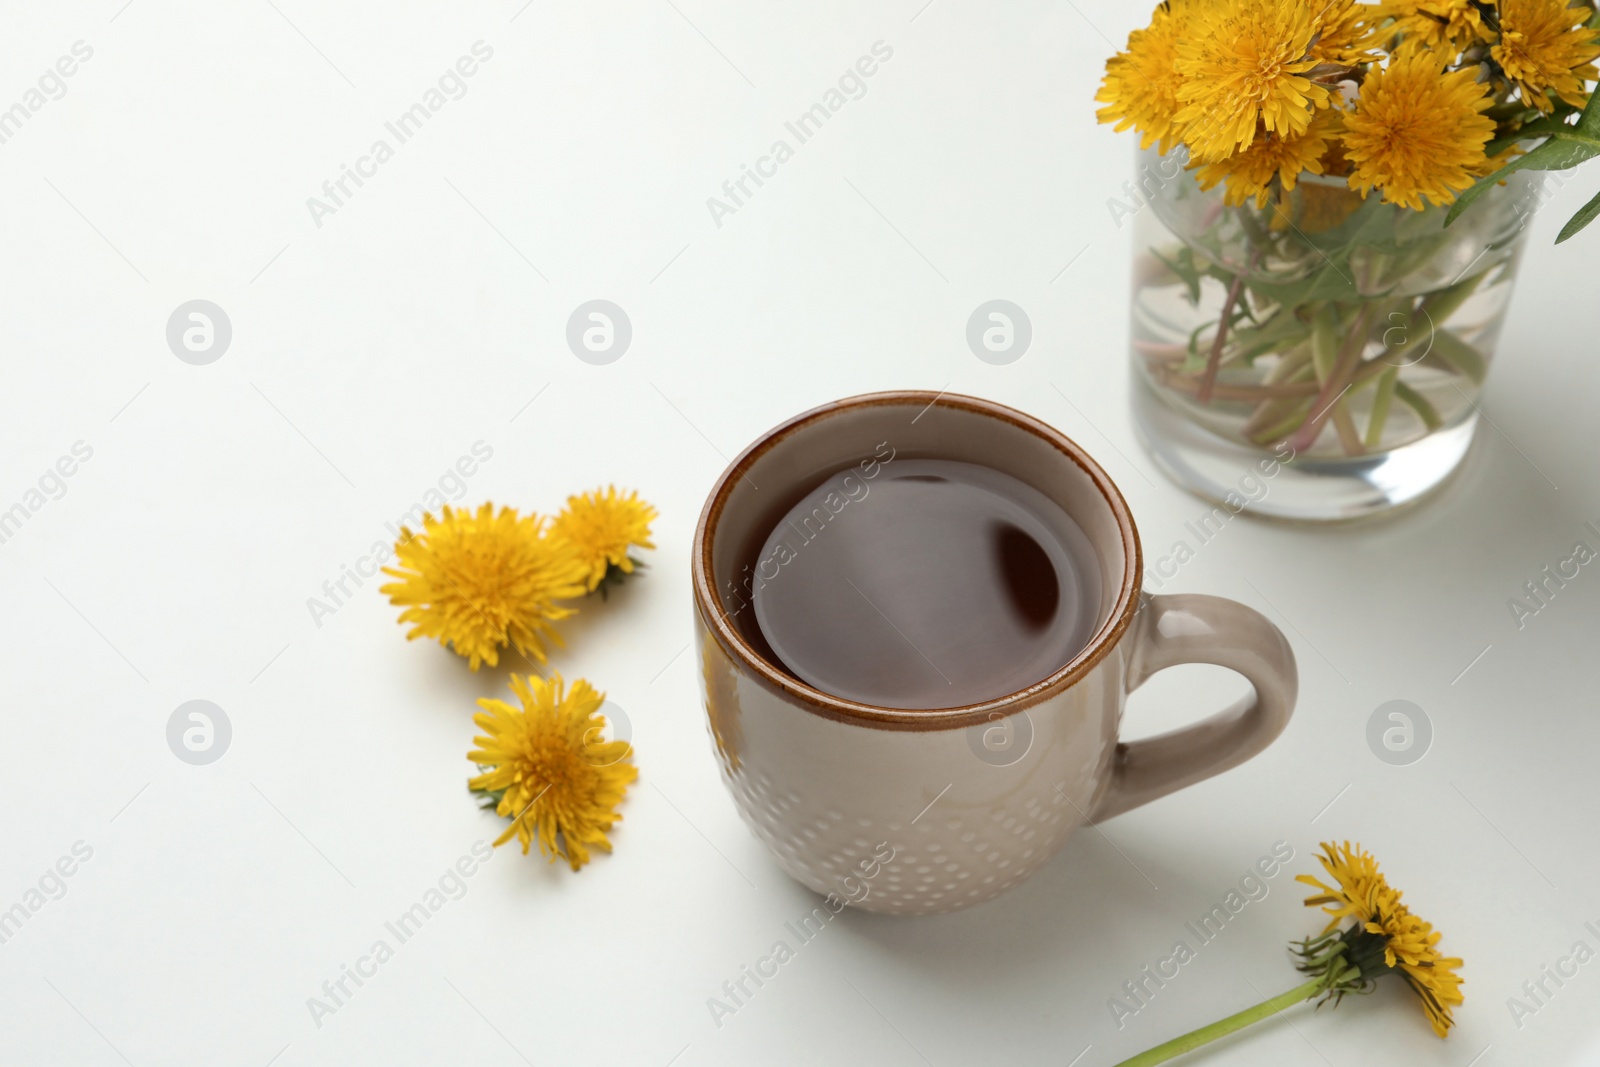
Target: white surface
[{"x": 406, "y": 328}]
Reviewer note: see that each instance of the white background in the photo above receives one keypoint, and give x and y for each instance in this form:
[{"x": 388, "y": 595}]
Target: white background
[{"x": 371, "y": 352}]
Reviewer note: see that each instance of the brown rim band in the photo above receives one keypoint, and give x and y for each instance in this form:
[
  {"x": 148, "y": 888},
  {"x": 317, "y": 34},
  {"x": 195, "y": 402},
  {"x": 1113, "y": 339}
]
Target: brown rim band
[{"x": 713, "y": 612}]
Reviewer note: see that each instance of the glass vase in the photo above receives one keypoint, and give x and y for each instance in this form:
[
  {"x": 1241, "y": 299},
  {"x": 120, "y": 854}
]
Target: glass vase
[{"x": 1324, "y": 351}]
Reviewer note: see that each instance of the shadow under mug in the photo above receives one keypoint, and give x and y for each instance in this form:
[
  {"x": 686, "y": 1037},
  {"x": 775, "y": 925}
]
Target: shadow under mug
[{"x": 915, "y": 812}]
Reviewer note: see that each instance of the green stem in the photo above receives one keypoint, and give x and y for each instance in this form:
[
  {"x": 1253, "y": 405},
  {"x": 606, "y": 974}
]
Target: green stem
[
  {"x": 1289, "y": 418},
  {"x": 1289, "y": 364},
  {"x": 1324, "y": 341},
  {"x": 1339, "y": 377},
  {"x": 1208, "y": 380},
  {"x": 1223, "y": 1027},
  {"x": 1280, "y": 415},
  {"x": 1380, "y": 406},
  {"x": 1443, "y": 303},
  {"x": 1344, "y": 424},
  {"x": 1418, "y": 403}
]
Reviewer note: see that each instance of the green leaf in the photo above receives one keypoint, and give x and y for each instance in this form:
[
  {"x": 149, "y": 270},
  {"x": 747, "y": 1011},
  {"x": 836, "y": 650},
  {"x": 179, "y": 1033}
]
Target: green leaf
[
  {"x": 1566, "y": 148},
  {"x": 1183, "y": 266},
  {"x": 1584, "y": 216},
  {"x": 1332, "y": 282},
  {"x": 1587, "y": 127},
  {"x": 1259, "y": 235},
  {"x": 615, "y": 576},
  {"x": 1273, "y": 335},
  {"x": 1195, "y": 362},
  {"x": 1541, "y": 127},
  {"x": 491, "y": 798}
]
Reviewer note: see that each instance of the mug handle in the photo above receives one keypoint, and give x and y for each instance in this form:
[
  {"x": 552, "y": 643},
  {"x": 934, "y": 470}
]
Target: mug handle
[{"x": 1192, "y": 628}]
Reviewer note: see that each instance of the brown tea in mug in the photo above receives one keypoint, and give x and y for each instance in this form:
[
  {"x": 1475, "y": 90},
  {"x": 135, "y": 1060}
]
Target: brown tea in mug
[{"x": 931, "y": 584}]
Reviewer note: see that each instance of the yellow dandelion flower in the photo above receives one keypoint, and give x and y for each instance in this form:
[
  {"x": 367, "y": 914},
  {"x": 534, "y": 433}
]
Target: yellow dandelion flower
[
  {"x": 550, "y": 772},
  {"x": 1545, "y": 47},
  {"x": 1443, "y": 25},
  {"x": 1141, "y": 85},
  {"x": 1341, "y": 32},
  {"x": 1361, "y": 885},
  {"x": 1416, "y": 131},
  {"x": 1383, "y": 938},
  {"x": 1249, "y": 173},
  {"x": 1410, "y": 946},
  {"x": 1243, "y": 64},
  {"x": 1394, "y": 936},
  {"x": 479, "y": 581},
  {"x": 601, "y": 526}
]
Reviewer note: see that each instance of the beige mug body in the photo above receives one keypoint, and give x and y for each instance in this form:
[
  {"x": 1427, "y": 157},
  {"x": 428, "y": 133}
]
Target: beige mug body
[{"x": 922, "y": 811}]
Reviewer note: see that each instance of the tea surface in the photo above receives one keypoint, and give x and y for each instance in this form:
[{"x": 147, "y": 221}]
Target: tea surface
[{"x": 936, "y": 584}]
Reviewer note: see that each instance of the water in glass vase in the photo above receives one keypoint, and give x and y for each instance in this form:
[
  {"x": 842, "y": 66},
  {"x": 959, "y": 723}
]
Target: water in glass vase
[{"x": 1350, "y": 335}]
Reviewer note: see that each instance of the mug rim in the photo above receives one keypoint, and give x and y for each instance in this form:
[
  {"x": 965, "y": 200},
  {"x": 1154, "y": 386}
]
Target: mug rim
[{"x": 713, "y": 612}]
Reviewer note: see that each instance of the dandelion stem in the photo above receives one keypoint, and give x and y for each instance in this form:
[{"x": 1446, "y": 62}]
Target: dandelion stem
[
  {"x": 1223, "y": 1027},
  {"x": 1339, "y": 377},
  {"x": 1380, "y": 406},
  {"x": 1345, "y": 426},
  {"x": 1208, "y": 380}
]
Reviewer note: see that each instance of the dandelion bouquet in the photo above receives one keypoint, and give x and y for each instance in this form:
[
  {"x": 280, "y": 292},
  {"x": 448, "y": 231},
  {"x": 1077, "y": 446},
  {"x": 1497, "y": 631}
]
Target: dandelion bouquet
[{"x": 1300, "y": 286}]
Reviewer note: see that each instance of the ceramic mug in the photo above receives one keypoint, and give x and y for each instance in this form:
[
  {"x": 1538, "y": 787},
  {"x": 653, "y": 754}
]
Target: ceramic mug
[{"x": 914, "y": 812}]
